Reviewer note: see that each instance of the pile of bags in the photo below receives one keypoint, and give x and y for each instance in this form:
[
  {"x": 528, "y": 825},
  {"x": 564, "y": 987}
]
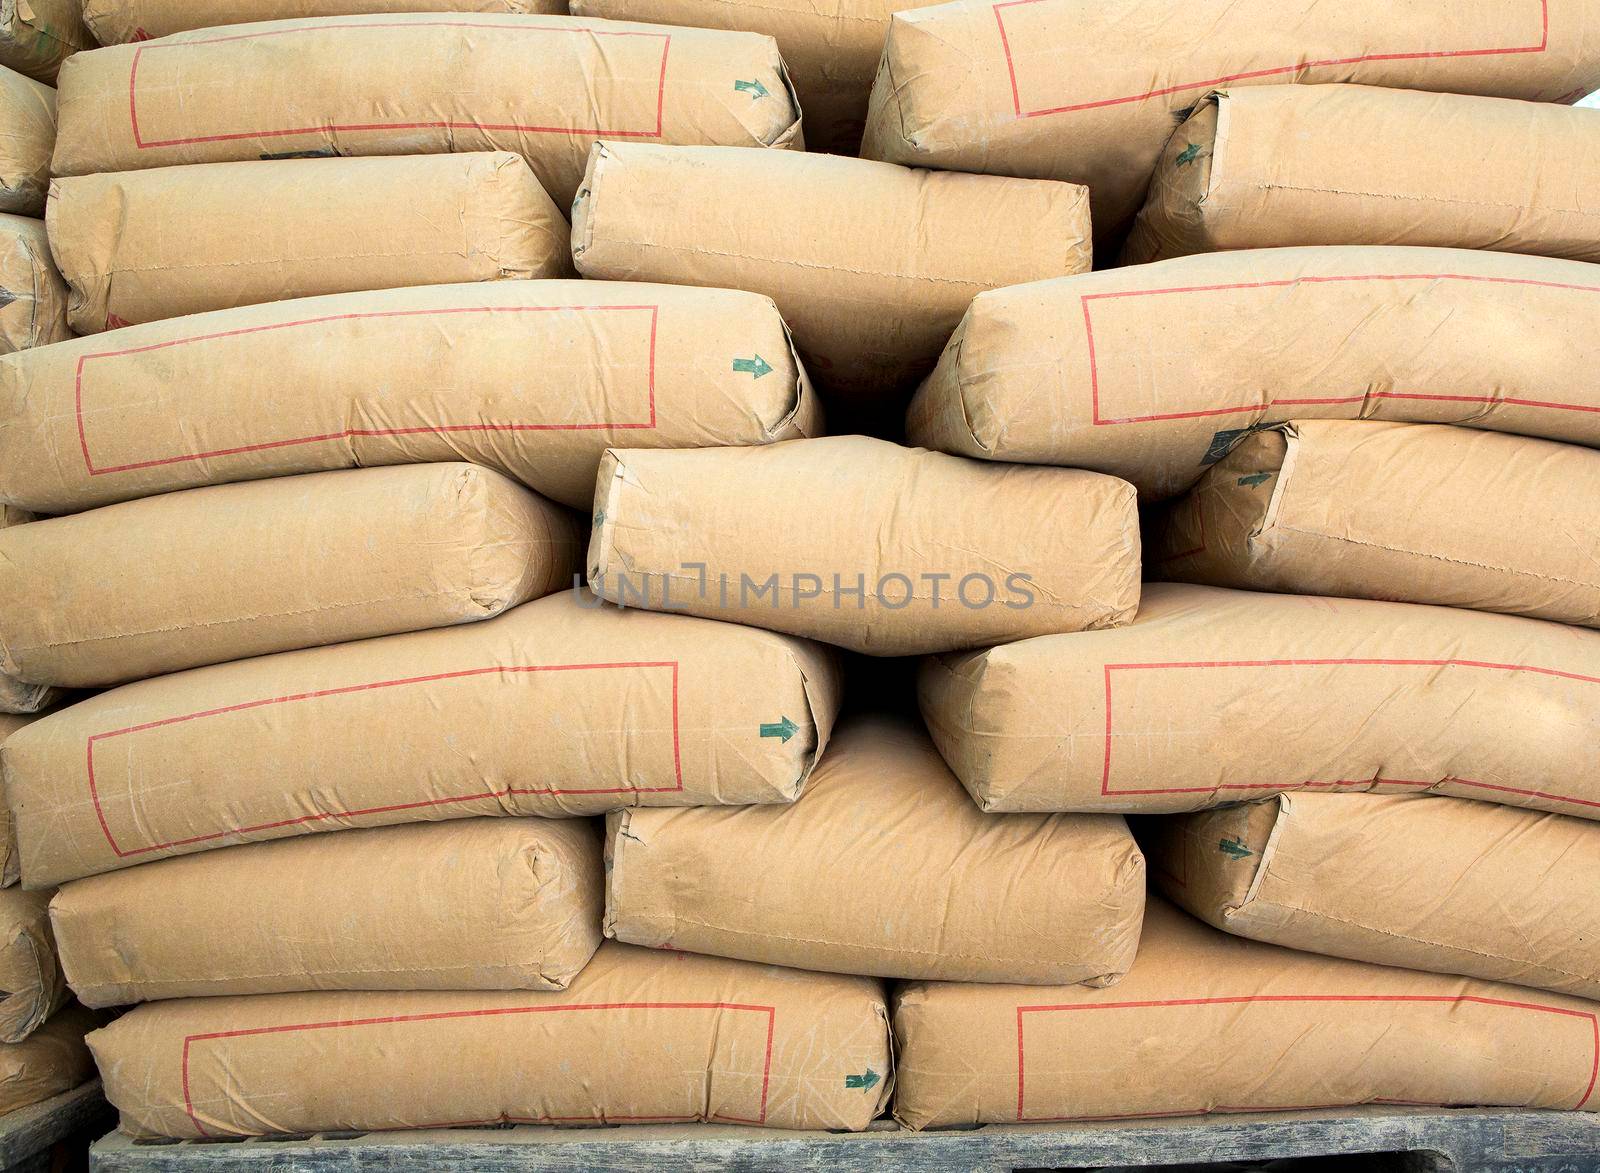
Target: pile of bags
[{"x": 460, "y": 460}]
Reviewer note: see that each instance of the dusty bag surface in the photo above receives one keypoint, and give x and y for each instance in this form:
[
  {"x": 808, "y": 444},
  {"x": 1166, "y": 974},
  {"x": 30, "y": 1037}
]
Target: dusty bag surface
[
  {"x": 117, "y": 21},
  {"x": 1010, "y": 88},
  {"x": 1441, "y": 885},
  {"x": 28, "y": 112},
  {"x": 1214, "y": 696},
  {"x": 1240, "y": 1027},
  {"x": 1070, "y": 371},
  {"x": 871, "y": 265},
  {"x": 33, "y": 311},
  {"x": 881, "y": 549},
  {"x": 553, "y": 708},
  {"x": 476, "y": 904},
  {"x": 10, "y": 861},
  {"x": 31, "y": 984},
  {"x": 883, "y": 866},
  {"x": 534, "y": 378},
  {"x": 545, "y": 87},
  {"x": 639, "y": 1036},
  {"x": 36, "y": 36},
  {"x": 1395, "y": 511},
  {"x": 270, "y": 231},
  {"x": 231, "y": 571},
  {"x": 18, "y": 698},
  {"x": 1272, "y": 166},
  {"x": 52, "y": 1060}
]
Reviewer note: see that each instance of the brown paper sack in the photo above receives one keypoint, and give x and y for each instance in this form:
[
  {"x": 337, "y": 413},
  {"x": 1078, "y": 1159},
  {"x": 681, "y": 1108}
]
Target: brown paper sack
[
  {"x": 1211, "y": 1023},
  {"x": 18, "y": 698},
  {"x": 36, "y": 36},
  {"x": 552, "y": 709},
  {"x": 1062, "y": 89},
  {"x": 872, "y": 265},
  {"x": 10, "y": 861},
  {"x": 52, "y": 1060},
  {"x": 1150, "y": 372},
  {"x": 1414, "y": 512},
  {"x": 639, "y": 1037},
  {"x": 881, "y": 549},
  {"x": 31, "y": 984},
  {"x": 1214, "y": 696},
  {"x": 231, "y": 571},
  {"x": 28, "y": 112},
  {"x": 533, "y": 378},
  {"x": 884, "y": 866},
  {"x": 1440, "y": 885},
  {"x": 117, "y": 21},
  {"x": 1299, "y": 165},
  {"x": 478, "y": 904},
  {"x": 33, "y": 311},
  {"x": 422, "y": 83},
  {"x": 269, "y": 231}
]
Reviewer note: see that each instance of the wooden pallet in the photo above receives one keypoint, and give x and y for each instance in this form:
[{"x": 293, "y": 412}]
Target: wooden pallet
[
  {"x": 1473, "y": 1140},
  {"x": 28, "y": 1134}
]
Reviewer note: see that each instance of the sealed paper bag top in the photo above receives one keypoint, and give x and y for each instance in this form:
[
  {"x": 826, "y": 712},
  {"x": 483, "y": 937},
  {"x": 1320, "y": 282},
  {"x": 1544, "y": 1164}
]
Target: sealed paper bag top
[
  {"x": 1275, "y": 166},
  {"x": 545, "y": 87},
  {"x": 28, "y": 113},
  {"x": 1071, "y": 372},
  {"x": 533, "y": 378},
  {"x": 269, "y": 231},
  {"x": 881, "y": 549},
  {"x": 640, "y": 1035},
  {"x": 1214, "y": 696},
  {"x": 1090, "y": 92},
  {"x": 1234, "y": 1026},
  {"x": 36, "y": 36},
  {"x": 33, "y": 298},
  {"x": 1422, "y": 513},
  {"x": 117, "y": 21},
  {"x": 1434, "y": 884},
  {"x": 31, "y": 984},
  {"x": 872, "y": 265},
  {"x": 883, "y": 866},
  {"x": 476, "y": 904},
  {"x": 556, "y": 708},
  {"x": 52, "y": 1060},
  {"x": 10, "y": 861},
  {"x": 231, "y": 571}
]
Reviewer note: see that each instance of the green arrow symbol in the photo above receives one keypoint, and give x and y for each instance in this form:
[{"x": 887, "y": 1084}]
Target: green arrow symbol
[
  {"x": 1188, "y": 155},
  {"x": 754, "y": 88},
  {"x": 1256, "y": 479},
  {"x": 756, "y": 366},
  {"x": 784, "y": 728},
  {"x": 1235, "y": 848},
  {"x": 870, "y": 1079}
]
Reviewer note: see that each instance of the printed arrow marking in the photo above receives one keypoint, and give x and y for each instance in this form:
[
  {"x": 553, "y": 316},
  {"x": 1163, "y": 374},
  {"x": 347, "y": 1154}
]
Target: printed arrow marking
[
  {"x": 1188, "y": 155},
  {"x": 1235, "y": 848},
  {"x": 1256, "y": 479},
  {"x": 754, "y": 88},
  {"x": 755, "y": 367},
  {"x": 783, "y": 728},
  {"x": 870, "y": 1079}
]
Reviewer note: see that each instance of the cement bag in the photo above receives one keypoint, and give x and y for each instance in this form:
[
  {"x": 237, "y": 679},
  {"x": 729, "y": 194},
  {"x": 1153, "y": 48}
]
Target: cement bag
[
  {"x": 33, "y": 298},
  {"x": 871, "y": 265},
  {"x": 545, "y": 87},
  {"x": 882, "y": 867},
  {"x": 555, "y": 708},
  {"x": 639, "y": 1036},
  {"x": 1421, "y": 513},
  {"x": 1090, "y": 92},
  {"x": 268, "y": 231},
  {"x": 479, "y": 904},
  {"x": 1205, "y": 1022},
  {"x": 1474, "y": 889},
  {"x": 1072, "y": 371},
  {"x": 28, "y": 113},
  {"x": 18, "y": 697},
  {"x": 881, "y": 549},
  {"x": 52, "y": 1060},
  {"x": 10, "y": 867},
  {"x": 31, "y": 985},
  {"x": 36, "y": 36},
  {"x": 1214, "y": 696},
  {"x": 1290, "y": 165},
  {"x": 534, "y": 378},
  {"x": 117, "y": 21},
  {"x": 231, "y": 571}
]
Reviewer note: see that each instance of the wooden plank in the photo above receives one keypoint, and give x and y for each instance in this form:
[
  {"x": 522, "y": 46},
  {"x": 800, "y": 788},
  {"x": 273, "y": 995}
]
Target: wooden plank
[
  {"x": 1464, "y": 1139},
  {"x": 28, "y": 1132}
]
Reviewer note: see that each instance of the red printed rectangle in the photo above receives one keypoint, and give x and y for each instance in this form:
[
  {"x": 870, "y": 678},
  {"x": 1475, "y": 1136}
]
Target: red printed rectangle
[
  {"x": 104, "y": 362},
  {"x": 758, "y": 1117},
  {"x": 174, "y": 140},
  {"x": 305, "y": 697}
]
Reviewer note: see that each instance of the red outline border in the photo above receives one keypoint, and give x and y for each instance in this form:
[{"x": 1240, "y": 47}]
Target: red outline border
[
  {"x": 499, "y": 670},
  {"x": 1105, "y": 776},
  {"x": 1016, "y": 97},
  {"x": 1454, "y": 999},
  {"x": 1094, "y": 368},
  {"x": 83, "y": 440},
  {"x": 150, "y": 46},
  {"x": 766, "y": 1073}
]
